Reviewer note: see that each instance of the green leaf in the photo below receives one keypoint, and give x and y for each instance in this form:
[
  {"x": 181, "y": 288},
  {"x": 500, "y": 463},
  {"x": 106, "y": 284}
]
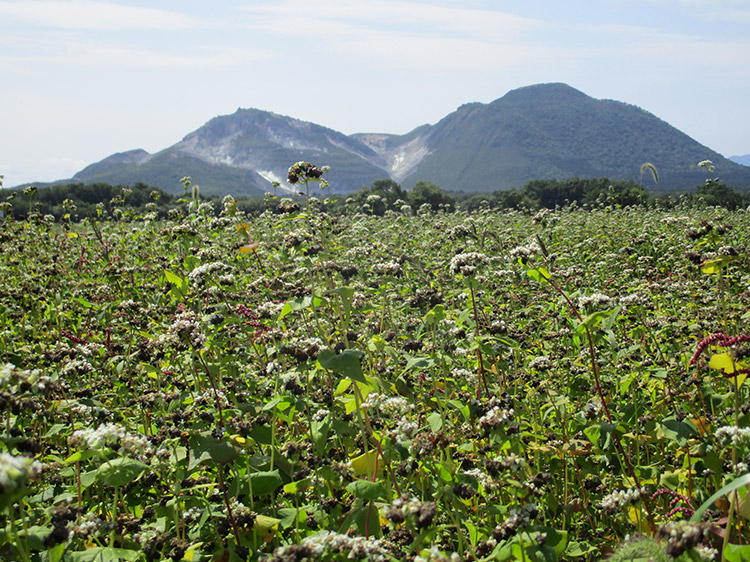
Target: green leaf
[
  {"x": 419, "y": 362},
  {"x": 674, "y": 430},
  {"x": 298, "y": 486},
  {"x": 345, "y": 363},
  {"x": 81, "y": 456},
  {"x": 715, "y": 266},
  {"x": 732, "y": 486},
  {"x": 366, "y": 464},
  {"x": 737, "y": 553},
  {"x": 434, "y": 316},
  {"x": 266, "y": 526},
  {"x": 105, "y": 554},
  {"x": 346, "y": 294},
  {"x": 600, "y": 434},
  {"x": 436, "y": 421},
  {"x": 120, "y": 471},
  {"x": 579, "y": 548},
  {"x": 173, "y": 279},
  {"x": 592, "y": 320},
  {"x": 609, "y": 321},
  {"x": 540, "y": 274},
  {"x": 367, "y": 490},
  {"x": 265, "y": 483},
  {"x": 223, "y": 452},
  {"x": 290, "y": 516}
]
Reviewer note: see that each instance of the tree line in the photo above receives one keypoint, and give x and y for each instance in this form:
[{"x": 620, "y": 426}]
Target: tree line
[{"x": 76, "y": 201}]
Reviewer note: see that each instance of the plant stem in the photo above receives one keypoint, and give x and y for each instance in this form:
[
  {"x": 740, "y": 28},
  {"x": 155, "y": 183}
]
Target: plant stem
[
  {"x": 602, "y": 398},
  {"x": 482, "y": 377}
]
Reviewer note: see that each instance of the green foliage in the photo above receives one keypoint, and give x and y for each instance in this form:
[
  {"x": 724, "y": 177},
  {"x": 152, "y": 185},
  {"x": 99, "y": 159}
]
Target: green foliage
[
  {"x": 427, "y": 193},
  {"x": 716, "y": 193},
  {"x": 79, "y": 200},
  {"x": 504, "y": 385},
  {"x": 549, "y": 194},
  {"x": 641, "y": 549}
]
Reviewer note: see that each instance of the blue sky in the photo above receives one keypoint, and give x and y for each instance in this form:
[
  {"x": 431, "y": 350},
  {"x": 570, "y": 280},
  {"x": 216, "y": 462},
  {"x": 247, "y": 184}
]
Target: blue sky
[{"x": 82, "y": 79}]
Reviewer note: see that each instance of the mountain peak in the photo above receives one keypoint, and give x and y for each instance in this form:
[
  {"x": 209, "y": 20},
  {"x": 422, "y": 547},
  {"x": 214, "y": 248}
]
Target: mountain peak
[
  {"x": 542, "y": 131},
  {"x": 553, "y": 92}
]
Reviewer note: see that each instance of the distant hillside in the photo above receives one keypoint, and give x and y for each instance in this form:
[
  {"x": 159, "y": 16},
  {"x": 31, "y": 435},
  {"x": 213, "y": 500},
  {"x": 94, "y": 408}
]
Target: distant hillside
[
  {"x": 744, "y": 159},
  {"x": 552, "y": 131},
  {"x": 546, "y": 131},
  {"x": 166, "y": 168}
]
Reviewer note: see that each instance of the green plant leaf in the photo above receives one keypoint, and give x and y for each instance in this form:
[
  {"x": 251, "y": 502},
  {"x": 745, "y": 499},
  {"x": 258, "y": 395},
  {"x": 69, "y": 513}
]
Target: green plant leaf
[
  {"x": 346, "y": 363},
  {"x": 367, "y": 490},
  {"x": 105, "y": 554},
  {"x": 539, "y": 274},
  {"x": 737, "y": 553},
  {"x": 677, "y": 431},
  {"x": 265, "y": 483},
  {"x": 716, "y": 265},
  {"x": 743, "y": 480},
  {"x": 120, "y": 471},
  {"x": 175, "y": 280}
]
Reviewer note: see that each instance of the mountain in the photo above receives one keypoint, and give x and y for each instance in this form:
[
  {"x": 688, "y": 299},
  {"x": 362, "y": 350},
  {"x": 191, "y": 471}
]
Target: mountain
[
  {"x": 242, "y": 154},
  {"x": 744, "y": 159},
  {"x": 554, "y": 131},
  {"x": 537, "y": 132}
]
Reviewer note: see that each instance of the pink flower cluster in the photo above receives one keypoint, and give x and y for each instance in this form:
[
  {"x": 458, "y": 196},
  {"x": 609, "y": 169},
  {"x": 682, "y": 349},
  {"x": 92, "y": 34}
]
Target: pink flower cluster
[{"x": 721, "y": 340}]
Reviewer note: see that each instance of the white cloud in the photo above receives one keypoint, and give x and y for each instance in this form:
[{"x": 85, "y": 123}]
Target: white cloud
[
  {"x": 112, "y": 56},
  {"x": 87, "y": 14},
  {"x": 349, "y": 17}
]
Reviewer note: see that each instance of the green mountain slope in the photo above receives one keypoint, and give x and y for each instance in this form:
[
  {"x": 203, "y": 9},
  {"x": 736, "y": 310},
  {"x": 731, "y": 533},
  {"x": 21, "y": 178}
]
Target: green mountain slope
[
  {"x": 553, "y": 131},
  {"x": 165, "y": 170}
]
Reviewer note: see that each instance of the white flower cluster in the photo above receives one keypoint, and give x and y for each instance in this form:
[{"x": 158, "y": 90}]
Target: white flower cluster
[
  {"x": 11, "y": 378},
  {"x": 496, "y": 417},
  {"x": 530, "y": 249},
  {"x": 595, "y": 299},
  {"x": 387, "y": 405},
  {"x": 269, "y": 309},
  {"x": 192, "y": 514},
  {"x": 110, "y": 435},
  {"x": 421, "y": 513},
  {"x": 295, "y": 238},
  {"x": 77, "y": 367},
  {"x": 517, "y": 517},
  {"x": 92, "y": 525},
  {"x": 129, "y": 306},
  {"x": 540, "y": 363},
  {"x": 212, "y": 397},
  {"x": 632, "y": 298},
  {"x": 405, "y": 431},
  {"x": 185, "y": 330},
  {"x": 511, "y": 462},
  {"x": 707, "y": 552},
  {"x": 197, "y": 276},
  {"x": 391, "y": 268},
  {"x": 460, "y": 373},
  {"x": 468, "y": 263},
  {"x": 434, "y": 555},
  {"x": 734, "y": 436},
  {"x": 328, "y": 542},
  {"x": 484, "y": 479},
  {"x": 16, "y": 471},
  {"x": 619, "y": 499},
  {"x": 321, "y": 414}
]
